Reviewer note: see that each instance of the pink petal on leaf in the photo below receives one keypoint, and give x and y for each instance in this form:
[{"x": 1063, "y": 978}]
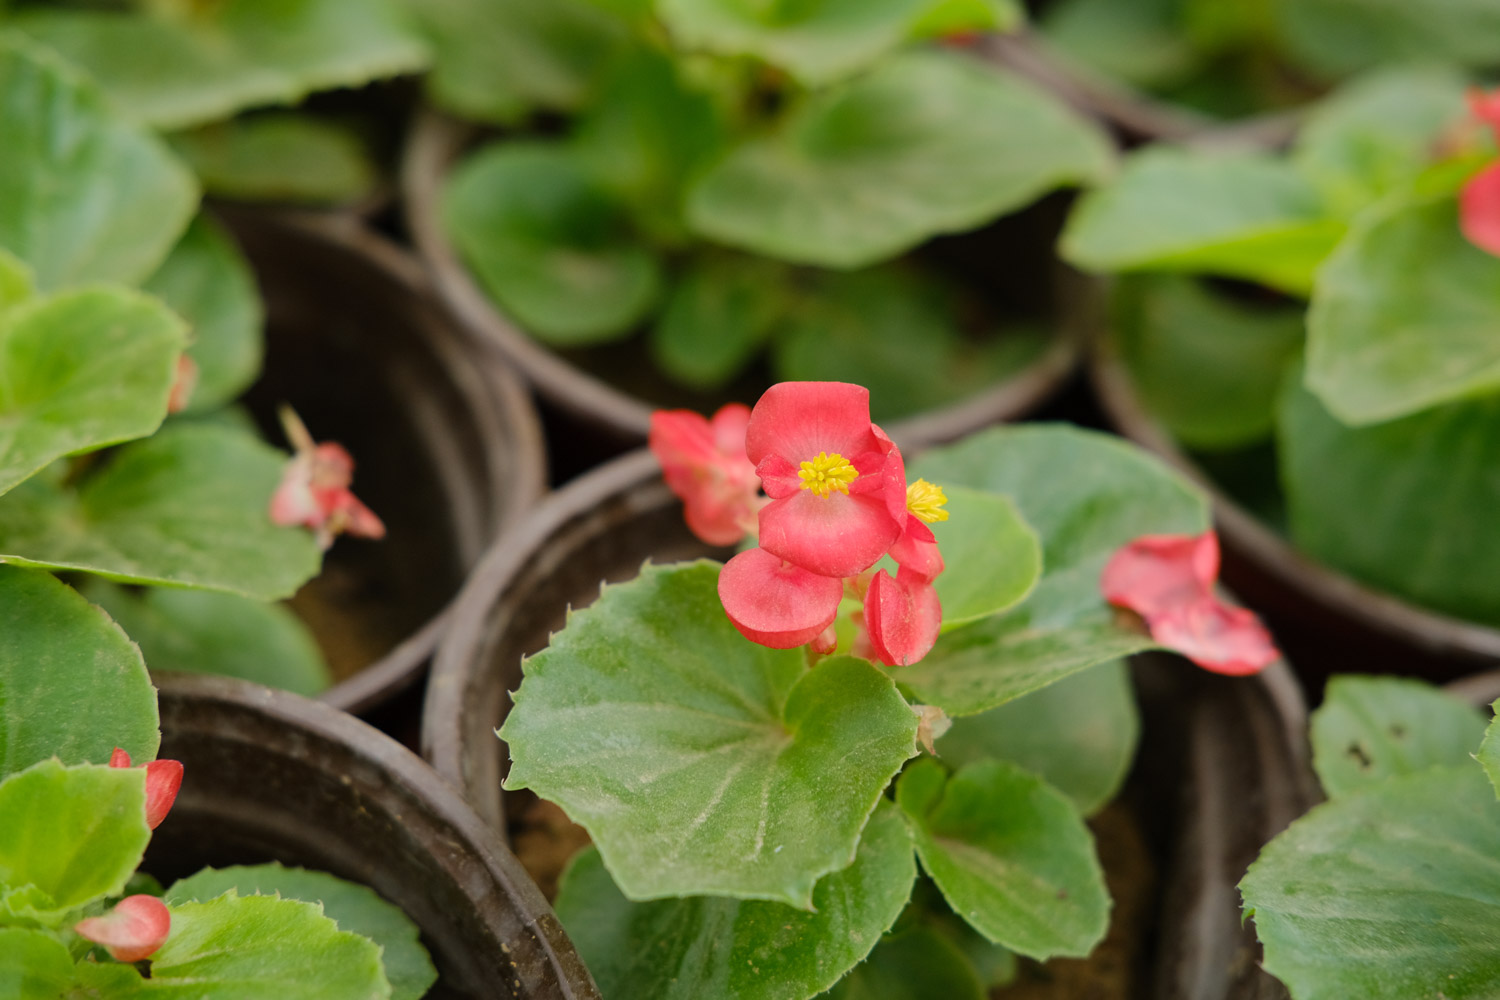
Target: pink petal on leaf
[
  {"x": 836, "y": 535},
  {"x": 1216, "y": 636},
  {"x": 797, "y": 420},
  {"x": 776, "y": 604},
  {"x": 119, "y": 758},
  {"x": 1156, "y": 572},
  {"x": 133, "y": 930},
  {"x": 902, "y": 616},
  {"x": 163, "y": 779},
  {"x": 1479, "y": 210}
]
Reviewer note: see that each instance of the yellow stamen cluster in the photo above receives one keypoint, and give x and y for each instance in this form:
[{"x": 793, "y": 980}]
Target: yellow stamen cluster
[
  {"x": 925, "y": 501},
  {"x": 827, "y": 473}
]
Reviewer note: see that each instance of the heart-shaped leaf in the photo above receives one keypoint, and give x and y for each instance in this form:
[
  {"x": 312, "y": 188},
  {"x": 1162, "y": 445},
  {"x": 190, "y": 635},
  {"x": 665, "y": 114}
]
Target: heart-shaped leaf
[
  {"x": 289, "y": 157},
  {"x": 86, "y": 196},
  {"x": 700, "y": 762},
  {"x": 54, "y": 645},
  {"x": 187, "y": 507},
  {"x": 82, "y": 370},
  {"x": 913, "y": 964},
  {"x": 707, "y": 946},
  {"x": 1086, "y": 495},
  {"x": 1371, "y": 728},
  {"x": 1011, "y": 855},
  {"x": 927, "y": 143}
]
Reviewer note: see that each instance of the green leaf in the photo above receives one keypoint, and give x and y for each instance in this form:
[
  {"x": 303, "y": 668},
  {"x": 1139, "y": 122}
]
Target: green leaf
[
  {"x": 915, "y": 964},
  {"x": 1141, "y": 42},
  {"x": 927, "y": 143},
  {"x": 992, "y": 558},
  {"x": 1489, "y": 752},
  {"x": 1404, "y": 316},
  {"x": 353, "y": 907},
  {"x": 187, "y": 507},
  {"x": 282, "y": 157},
  {"x": 202, "y": 632},
  {"x": 708, "y": 946},
  {"x": 498, "y": 60},
  {"x": 75, "y": 834},
  {"x": 1385, "y": 894},
  {"x": 961, "y": 17},
  {"x": 17, "y": 283},
  {"x": 699, "y": 761},
  {"x": 53, "y": 646},
  {"x": 81, "y": 370},
  {"x": 84, "y": 196},
  {"x": 1079, "y": 735},
  {"x": 208, "y": 282},
  {"x": 1209, "y": 367},
  {"x": 174, "y": 69},
  {"x": 1011, "y": 855},
  {"x": 33, "y": 965},
  {"x": 1371, "y": 728},
  {"x": 718, "y": 316},
  {"x": 1240, "y": 215},
  {"x": 547, "y": 245},
  {"x": 264, "y": 948},
  {"x": 1336, "y": 37},
  {"x": 1405, "y": 505},
  {"x": 1086, "y": 495}
]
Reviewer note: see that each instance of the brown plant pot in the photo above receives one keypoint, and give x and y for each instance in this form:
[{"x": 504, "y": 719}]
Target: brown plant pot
[
  {"x": 448, "y": 444},
  {"x": 270, "y": 776},
  {"x": 1329, "y": 623},
  {"x": 1223, "y": 767},
  {"x": 622, "y": 420}
]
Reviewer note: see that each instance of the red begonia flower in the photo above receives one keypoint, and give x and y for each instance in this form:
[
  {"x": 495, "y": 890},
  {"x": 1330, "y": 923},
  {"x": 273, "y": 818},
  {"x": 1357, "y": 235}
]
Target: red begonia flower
[
  {"x": 163, "y": 779},
  {"x": 775, "y": 603},
  {"x": 1479, "y": 209},
  {"x": 704, "y": 463},
  {"x": 821, "y": 462},
  {"x": 183, "y": 384},
  {"x": 1216, "y": 636},
  {"x": 133, "y": 930},
  {"x": 1486, "y": 107},
  {"x": 902, "y": 616},
  {"x": 314, "y": 490},
  {"x": 1157, "y": 572}
]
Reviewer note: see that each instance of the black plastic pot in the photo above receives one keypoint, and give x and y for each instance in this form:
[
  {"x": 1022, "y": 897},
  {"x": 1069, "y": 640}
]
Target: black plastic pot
[
  {"x": 1223, "y": 767},
  {"x": 270, "y": 776},
  {"x": 448, "y": 445}
]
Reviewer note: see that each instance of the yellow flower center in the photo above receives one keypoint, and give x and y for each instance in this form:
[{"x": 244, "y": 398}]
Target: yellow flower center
[
  {"x": 926, "y": 501},
  {"x": 827, "y": 473}
]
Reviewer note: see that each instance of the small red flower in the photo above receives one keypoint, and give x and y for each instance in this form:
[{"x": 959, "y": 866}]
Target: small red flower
[
  {"x": 1486, "y": 107},
  {"x": 133, "y": 930},
  {"x": 1479, "y": 209},
  {"x": 704, "y": 463},
  {"x": 163, "y": 779},
  {"x": 903, "y": 616},
  {"x": 183, "y": 384},
  {"x": 775, "y": 603},
  {"x": 1169, "y": 581},
  {"x": 314, "y": 490}
]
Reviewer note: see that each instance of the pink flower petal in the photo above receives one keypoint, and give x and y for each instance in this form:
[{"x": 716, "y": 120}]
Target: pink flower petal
[
  {"x": 119, "y": 758},
  {"x": 916, "y": 551},
  {"x": 1486, "y": 107},
  {"x": 729, "y": 426},
  {"x": 903, "y": 616},
  {"x": 1216, "y": 636},
  {"x": 1479, "y": 210},
  {"x": 797, "y": 420},
  {"x": 777, "y": 604},
  {"x": 133, "y": 930},
  {"x": 827, "y": 641},
  {"x": 704, "y": 463},
  {"x": 163, "y": 779},
  {"x": 836, "y": 535},
  {"x": 1156, "y": 572}
]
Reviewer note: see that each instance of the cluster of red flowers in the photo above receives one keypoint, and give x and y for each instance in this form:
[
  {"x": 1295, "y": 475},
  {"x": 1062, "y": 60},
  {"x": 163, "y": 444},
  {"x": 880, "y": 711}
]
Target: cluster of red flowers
[
  {"x": 838, "y": 503},
  {"x": 1479, "y": 204},
  {"x": 314, "y": 490}
]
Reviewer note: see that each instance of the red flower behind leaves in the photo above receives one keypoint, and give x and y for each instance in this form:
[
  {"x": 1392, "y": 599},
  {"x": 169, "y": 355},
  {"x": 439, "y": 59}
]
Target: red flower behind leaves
[
  {"x": 133, "y": 930},
  {"x": 314, "y": 490},
  {"x": 704, "y": 463},
  {"x": 163, "y": 779},
  {"x": 1479, "y": 202}
]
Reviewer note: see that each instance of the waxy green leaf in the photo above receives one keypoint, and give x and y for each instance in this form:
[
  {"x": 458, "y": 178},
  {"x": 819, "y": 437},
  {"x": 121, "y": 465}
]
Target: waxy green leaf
[
  {"x": 1011, "y": 855},
  {"x": 353, "y": 907},
  {"x": 1336, "y": 37},
  {"x": 700, "y": 762},
  {"x": 718, "y": 317},
  {"x": 992, "y": 557},
  {"x": 54, "y": 645},
  {"x": 33, "y": 965},
  {"x": 915, "y": 964},
  {"x": 287, "y": 157},
  {"x": 707, "y": 946},
  {"x": 1086, "y": 495},
  {"x": 1369, "y": 729},
  {"x": 927, "y": 143},
  {"x": 187, "y": 507},
  {"x": 84, "y": 196},
  {"x": 17, "y": 283},
  {"x": 1387, "y": 893}
]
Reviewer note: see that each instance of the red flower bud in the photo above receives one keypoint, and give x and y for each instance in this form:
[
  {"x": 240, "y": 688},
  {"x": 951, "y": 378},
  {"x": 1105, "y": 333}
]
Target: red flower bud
[{"x": 133, "y": 930}]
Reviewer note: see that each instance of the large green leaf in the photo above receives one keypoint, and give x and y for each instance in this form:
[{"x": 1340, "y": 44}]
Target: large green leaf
[
  {"x": 992, "y": 558},
  {"x": 74, "y": 834},
  {"x": 84, "y": 196},
  {"x": 1207, "y": 366},
  {"x": 202, "y": 632},
  {"x": 718, "y": 316},
  {"x": 187, "y": 507},
  {"x": 927, "y": 143},
  {"x": 81, "y": 370},
  {"x": 1011, "y": 855},
  {"x": 17, "y": 284},
  {"x": 1335, "y": 37},
  {"x": 172, "y": 68},
  {"x": 1079, "y": 735},
  {"x": 699, "y": 761},
  {"x": 263, "y": 948},
  {"x": 1405, "y": 505},
  {"x": 208, "y": 282},
  {"x": 1406, "y": 315},
  {"x": 282, "y": 157},
  {"x": 1371, "y": 728},
  {"x": 915, "y": 964},
  {"x": 33, "y": 965},
  {"x": 1386, "y": 894},
  {"x": 547, "y": 244},
  {"x": 1140, "y": 42},
  {"x": 1241, "y": 215},
  {"x": 707, "y": 946},
  {"x": 1086, "y": 495},
  {"x": 1489, "y": 751},
  {"x": 353, "y": 907},
  {"x": 71, "y": 684}
]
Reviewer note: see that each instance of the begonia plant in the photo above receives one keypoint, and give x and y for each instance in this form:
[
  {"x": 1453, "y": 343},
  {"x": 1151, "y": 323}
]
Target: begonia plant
[{"x": 744, "y": 742}]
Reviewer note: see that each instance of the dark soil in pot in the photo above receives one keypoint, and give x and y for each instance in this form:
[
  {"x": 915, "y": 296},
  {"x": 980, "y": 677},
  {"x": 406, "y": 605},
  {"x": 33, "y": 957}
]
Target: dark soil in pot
[
  {"x": 270, "y": 776},
  {"x": 1221, "y": 769},
  {"x": 448, "y": 447}
]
